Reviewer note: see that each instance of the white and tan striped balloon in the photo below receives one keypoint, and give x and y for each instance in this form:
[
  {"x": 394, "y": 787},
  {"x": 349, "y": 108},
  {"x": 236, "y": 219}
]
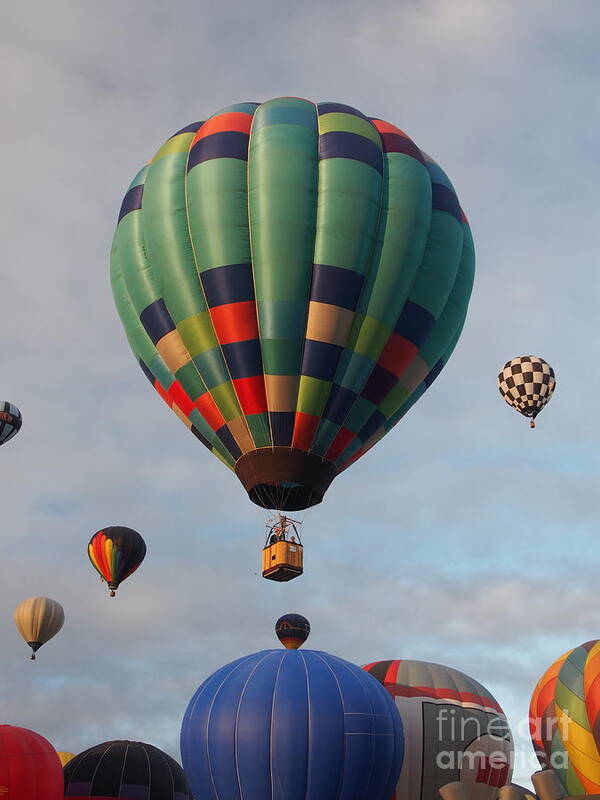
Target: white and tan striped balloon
[{"x": 38, "y": 619}]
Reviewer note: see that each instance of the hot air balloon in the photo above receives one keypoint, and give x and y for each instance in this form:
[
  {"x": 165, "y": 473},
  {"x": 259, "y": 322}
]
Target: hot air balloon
[
  {"x": 292, "y": 630},
  {"x": 291, "y": 277},
  {"x": 65, "y": 757},
  {"x": 291, "y": 724},
  {"x": 116, "y": 553},
  {"x": 122, "y": 769},
  {"x": 563, "y": 719},
  {"x": 454, "y": 730},
  {"x": 29, "y": 766},
  {"x": 527, "y": 384},
  {"x": 10, "y": 421},
  {"x": 38, "y": 619}
]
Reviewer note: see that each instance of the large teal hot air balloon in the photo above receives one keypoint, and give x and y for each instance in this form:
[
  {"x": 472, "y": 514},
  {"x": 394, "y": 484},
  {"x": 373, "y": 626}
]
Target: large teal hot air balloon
[{"x": 291, "y": 277}]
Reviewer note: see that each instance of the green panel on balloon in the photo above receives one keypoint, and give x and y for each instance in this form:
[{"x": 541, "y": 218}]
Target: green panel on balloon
[{"x": 291, "y": 277}]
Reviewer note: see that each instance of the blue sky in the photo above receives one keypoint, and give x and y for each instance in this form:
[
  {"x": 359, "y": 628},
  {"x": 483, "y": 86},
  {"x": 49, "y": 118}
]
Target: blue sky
[{"x": 463, "y": 538}]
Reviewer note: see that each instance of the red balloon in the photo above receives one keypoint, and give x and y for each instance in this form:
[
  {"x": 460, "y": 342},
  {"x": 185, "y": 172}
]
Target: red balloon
[{"x": 29, "y": 766}]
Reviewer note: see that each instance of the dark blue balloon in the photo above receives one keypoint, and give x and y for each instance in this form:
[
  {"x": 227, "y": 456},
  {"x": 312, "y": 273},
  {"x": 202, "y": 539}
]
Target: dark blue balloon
[{"x": 291, "y": 725}]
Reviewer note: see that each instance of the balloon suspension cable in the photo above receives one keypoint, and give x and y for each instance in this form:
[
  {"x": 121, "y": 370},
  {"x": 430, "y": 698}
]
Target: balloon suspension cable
[{"x": 280, "y": 524}]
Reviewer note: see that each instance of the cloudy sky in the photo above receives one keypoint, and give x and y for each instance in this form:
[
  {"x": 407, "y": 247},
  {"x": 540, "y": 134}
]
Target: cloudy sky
[{"x": 463, "y": 538}]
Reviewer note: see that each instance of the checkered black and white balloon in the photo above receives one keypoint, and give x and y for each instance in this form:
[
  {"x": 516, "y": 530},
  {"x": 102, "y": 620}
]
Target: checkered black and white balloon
[{"x": 527, "y": 383}]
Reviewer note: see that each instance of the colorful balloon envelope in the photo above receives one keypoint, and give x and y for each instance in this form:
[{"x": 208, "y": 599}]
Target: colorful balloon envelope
[
  {"x": 116, "y": 552},
  {"x": 29, "y": 766},
  {"x": 294, "y": 725},
  {"x": 564, "y": 719},
  {"x": 38, "y": 619},
  {"x": 291, "y": 277},
  {"x": 292, "y": 630},
  {"x": 121, "y": 769},
  {"x": 527, "y": 384},
  {"x": 453, "y": 727},
  {"x": 10, "y": 421}
]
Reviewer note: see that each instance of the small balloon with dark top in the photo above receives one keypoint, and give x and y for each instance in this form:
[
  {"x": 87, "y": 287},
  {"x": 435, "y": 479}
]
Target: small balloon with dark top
[
  {"x": 292, "y": 630},
  {"x": 116, "y": 553}
]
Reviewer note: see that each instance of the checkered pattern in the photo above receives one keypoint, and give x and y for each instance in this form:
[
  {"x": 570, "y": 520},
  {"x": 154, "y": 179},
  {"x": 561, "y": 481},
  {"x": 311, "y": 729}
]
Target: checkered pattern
[
  {"x": 291, "y": 274},
  {"x": 527, "y": 383}
]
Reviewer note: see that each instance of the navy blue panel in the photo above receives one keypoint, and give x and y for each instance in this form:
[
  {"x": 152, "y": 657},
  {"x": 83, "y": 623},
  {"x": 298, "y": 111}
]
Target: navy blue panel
[
  {"x": 230, "y": 284},
  {"x": 435, "y": 371},
  {"x": 244, "y": 359},
  {"x": 444, "y": 199},
  {"x": 201, "y": 437},
  {"x": 335, "y": 285},
  {"x": 320, "y": 359},
  {"x": 359, "y": 730},
  {"x": 326, "y": 740},
  {"x": 193, "y": 127},
  {"x": 226, "y": 144},
  {"x": 156, "y": 320},
  {"x": 282, "y": 426},
  {"x": 290, "y": 732},
  {"x": 222, "y": 749},
  {"x": 341, "y": 144},
  {"x": 253, "y": 727},
  {"x": 395, "y": 143},
  {"x": 340, "y": 108},
  {"x": 375, "y": 421},
  {"x": 132, "y": 201},
  {"x": 339, "y": 403},
  {"x": 194, "y": 751},
  {"x": 415, "y": 323},
  {"x": 381, "y": 381},
  {"x": 230, "y": 443},
  {"x": 147, "y": 372}
]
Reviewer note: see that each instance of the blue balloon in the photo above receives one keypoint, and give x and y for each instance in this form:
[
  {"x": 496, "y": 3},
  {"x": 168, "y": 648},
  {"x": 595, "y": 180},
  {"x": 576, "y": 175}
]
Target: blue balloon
[{"x": 291, "y": 725}]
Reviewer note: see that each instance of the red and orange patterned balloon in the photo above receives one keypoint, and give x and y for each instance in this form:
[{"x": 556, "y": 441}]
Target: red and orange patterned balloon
[{"x": 564, "y": 719}]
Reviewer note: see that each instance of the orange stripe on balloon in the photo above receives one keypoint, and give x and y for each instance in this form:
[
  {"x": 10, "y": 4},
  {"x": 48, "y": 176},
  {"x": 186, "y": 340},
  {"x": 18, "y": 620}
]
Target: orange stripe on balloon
[
  {"x": 233, "y": 121},
  {"x": 210, "y": 411},
  {"x": 386, "y": 127},
  {"x": 92, "y": 556},
  {"x": 235, "y": 322},
  {"x": 100, "y": 550},
  {"x": 163, "y": 394},
  {"x": 305, "y": 427},
  {"x": 251, "y": 394},
  {"x": 181, "y": 398},
  {"x": 392, "y": 673}
]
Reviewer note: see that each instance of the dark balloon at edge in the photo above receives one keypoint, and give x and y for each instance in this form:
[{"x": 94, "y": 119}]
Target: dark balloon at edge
[
  {"x": 292, "y": 630},
  {"x": 10, "y": 421}
]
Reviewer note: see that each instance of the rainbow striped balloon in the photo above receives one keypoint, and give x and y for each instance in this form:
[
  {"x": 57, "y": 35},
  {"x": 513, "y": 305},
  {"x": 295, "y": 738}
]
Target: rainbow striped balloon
[{"x": 564, "y": 719}]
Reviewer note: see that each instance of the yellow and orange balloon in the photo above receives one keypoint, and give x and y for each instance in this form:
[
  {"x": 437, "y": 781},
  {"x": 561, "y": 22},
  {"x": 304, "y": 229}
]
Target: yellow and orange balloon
[{"x": 564, "y": 719}]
